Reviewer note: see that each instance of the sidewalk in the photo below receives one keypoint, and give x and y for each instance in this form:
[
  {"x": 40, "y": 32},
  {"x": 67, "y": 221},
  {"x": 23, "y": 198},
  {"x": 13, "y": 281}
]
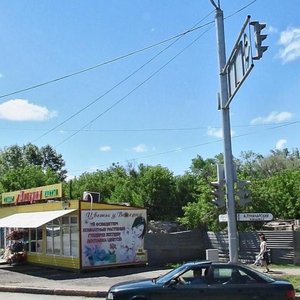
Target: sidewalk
[{"x": 40, "y": 280}]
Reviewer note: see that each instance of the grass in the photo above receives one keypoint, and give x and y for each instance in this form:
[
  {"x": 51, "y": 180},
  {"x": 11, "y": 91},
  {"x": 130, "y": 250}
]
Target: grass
[{"x": 294, "y": 280}]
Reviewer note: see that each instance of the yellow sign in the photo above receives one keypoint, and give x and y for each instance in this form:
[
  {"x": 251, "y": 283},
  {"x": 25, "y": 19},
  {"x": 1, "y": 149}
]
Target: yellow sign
[{"x": 30, "y": 196}]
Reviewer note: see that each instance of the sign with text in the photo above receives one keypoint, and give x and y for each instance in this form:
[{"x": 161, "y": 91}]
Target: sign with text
[
  {"x": 33, "y": 195},
  {"x": 248, "y": 217},
  {"x": 113, "y": 237},
  {"x": 240, "y": 62}
]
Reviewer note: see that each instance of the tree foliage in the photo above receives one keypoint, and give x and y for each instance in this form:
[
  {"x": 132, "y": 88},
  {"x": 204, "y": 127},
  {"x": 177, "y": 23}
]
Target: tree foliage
[
  {"x": 18, "y": 157},
  {"x": 274, "y": 184}
]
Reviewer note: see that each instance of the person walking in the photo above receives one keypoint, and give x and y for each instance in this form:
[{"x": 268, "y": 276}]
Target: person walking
[{"x": 264, "y": 253}]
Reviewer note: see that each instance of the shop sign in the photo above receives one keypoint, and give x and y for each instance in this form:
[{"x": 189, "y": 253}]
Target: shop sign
[
  {"x": 33, "y": 195},
  {"x": 112, "y": 237}
]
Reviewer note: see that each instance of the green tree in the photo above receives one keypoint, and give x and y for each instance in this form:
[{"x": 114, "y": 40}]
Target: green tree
[
  {"x": 27, "y": 177},
  {"x": 186, "y": 190},
  {"x": 157, "y": 188},
  {"x": 278, "y": 194},
  {"x": 18, "y": 157},
  {"x": 51, "y": 159},
  {"x": 202, "y": 213}
]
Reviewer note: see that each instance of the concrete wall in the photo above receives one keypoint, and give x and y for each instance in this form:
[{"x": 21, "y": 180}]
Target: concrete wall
[
  {"x": 164, "y": 248},
  {"x": 297, "y": 247}
]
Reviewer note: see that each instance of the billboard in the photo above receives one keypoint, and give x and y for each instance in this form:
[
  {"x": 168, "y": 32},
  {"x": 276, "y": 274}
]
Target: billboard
[
  {"x": 112, "y": 237},
  {"x": 33, "y": 195}
]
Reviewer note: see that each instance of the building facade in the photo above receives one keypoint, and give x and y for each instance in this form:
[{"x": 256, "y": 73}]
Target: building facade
[{"x": 72, "y": 234}]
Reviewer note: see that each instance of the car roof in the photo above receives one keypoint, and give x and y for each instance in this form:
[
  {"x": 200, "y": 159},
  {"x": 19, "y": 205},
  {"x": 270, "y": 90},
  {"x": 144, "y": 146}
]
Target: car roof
[
  {"x": 198, "y": 263},
  {"x": 208, "y": 262}
]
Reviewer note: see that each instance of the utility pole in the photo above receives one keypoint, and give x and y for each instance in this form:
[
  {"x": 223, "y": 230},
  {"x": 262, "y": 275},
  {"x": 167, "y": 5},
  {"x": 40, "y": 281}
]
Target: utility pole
[{"x": 228, "y": 159}]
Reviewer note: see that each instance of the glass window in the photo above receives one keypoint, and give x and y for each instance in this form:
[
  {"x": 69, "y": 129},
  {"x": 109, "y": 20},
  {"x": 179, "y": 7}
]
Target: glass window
[
  {"x": 65, "y": 220},
  {"x": 66, "y": 241},
  {"x": 74, "y": 220},
  {"x": 49, "y": 239},
  {"x": 62, "y": 236},
  {"x": 2, "y": 245},
  {"x": 74, "y": 241},
  {"x": 39, "y": 239},
  {"x": 56, "y": 239},
  {"x": 32, "y": 241},
  {"x": 221, "y": 275}
]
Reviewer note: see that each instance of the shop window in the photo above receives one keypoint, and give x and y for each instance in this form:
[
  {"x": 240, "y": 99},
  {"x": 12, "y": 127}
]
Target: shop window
[
  {"x": 70, "y": 236},
  {"x": 35, "y": 240},
  {"x": 62, "y": 237},
  {"x": 74, "y": 240},
  {"x": 2, "y": 244},
  {"x": 66, "y": 241},
  {"x": 53, "y": 237}
]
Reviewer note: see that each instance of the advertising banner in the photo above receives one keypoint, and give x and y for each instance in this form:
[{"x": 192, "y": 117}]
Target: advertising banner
[
  {"x": 112, "y": 237},
  {"x": 33, "y": 195}
]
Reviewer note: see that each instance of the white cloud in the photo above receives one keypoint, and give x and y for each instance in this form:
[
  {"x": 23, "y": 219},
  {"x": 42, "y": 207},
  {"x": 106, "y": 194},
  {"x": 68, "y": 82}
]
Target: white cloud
[
  {"x": 217, "y": 132},
  {"x": 273, "y": 117},
  {"x": 140, "y": 148},
  {"x": 105, "y": 148},
  {"x": 281, "y": 144},
  {"x": 70, "y": 177},
  {"x": 22, "y": 110},
  {"x": 272, "y": 29},
  {"x": 290, "y": 42}
]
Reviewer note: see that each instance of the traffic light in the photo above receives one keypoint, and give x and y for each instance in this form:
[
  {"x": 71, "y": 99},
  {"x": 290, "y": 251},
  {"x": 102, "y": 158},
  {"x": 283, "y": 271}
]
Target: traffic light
[
  {"x": 243, "y": 192},
  {"x": 218, "y": 193},
  {"x": 259, "y": 38}
]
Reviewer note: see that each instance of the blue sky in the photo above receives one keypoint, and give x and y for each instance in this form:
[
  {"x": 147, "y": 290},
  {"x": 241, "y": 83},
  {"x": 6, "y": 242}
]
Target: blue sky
[{"x": 146, "y": 98}]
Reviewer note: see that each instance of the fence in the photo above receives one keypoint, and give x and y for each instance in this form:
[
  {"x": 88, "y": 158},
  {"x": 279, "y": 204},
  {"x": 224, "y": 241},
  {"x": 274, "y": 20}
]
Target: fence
[{"x": 166, "y": 248}]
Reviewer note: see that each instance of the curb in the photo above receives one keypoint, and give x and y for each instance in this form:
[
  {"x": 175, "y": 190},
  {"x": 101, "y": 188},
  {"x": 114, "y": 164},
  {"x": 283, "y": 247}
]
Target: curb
[
  {"x": 62, "y": 292},
  {"x": 57, "y": 292}
]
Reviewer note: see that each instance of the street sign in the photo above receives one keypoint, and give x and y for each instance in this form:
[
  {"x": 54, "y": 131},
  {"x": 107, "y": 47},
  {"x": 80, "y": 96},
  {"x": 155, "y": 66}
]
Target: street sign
[
  {"x": 248, "y": 217},
  {"x": 223, "y": 218},
  {"x": 255, "y": 217},
  {"x": 239, "y": 64}
]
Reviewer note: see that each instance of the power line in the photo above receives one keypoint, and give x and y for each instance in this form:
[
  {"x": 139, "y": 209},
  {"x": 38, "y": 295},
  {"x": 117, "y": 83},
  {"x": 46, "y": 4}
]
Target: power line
[
  {"x": 97, "y": 99},
  {"x": 106, "y": 62},
  {"x": 134, "y": 89},
  {"x": 194, "y": 146},
  {"x": 271, "y": 126},
  {"x": 119, "y": 57},
  {"x": 239, "y": 10},
  {"x": 116, "y": 85}
]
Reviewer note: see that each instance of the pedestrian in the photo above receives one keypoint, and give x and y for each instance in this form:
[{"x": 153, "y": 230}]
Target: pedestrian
[{"x": 263, "y": 253}]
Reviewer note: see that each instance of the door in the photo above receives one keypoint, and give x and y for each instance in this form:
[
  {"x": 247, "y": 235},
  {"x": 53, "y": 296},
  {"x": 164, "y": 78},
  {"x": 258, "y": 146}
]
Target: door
[{"x": 225, "y": 284}]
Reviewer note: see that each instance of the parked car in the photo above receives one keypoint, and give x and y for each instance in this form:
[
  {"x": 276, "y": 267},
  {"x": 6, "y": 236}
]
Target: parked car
[{"x": 208, "y": 281}]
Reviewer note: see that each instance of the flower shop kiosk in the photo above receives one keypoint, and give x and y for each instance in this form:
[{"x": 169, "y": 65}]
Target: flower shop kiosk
[{"x": 72, "y": 234}]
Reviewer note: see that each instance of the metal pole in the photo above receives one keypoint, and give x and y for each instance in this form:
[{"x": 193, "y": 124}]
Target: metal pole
[{"x": 228, "y": 160}]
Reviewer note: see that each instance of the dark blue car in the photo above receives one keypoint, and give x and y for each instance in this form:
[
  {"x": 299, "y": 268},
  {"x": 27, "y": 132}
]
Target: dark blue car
[{"x": 206, "y": 281}]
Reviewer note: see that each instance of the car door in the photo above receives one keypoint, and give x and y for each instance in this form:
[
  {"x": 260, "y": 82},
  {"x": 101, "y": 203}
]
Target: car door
[
  {"x": 182, "y": 292},
  {"x": 222, "y": 285},
  {"x": 265, "y": 291}
]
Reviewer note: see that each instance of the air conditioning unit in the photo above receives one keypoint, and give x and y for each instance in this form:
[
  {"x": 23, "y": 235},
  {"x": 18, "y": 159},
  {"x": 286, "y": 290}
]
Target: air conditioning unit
[{"x": 91, "y": 197}]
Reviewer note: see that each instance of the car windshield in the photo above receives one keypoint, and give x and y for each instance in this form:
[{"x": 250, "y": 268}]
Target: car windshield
[{"x": 167, "y": 277}]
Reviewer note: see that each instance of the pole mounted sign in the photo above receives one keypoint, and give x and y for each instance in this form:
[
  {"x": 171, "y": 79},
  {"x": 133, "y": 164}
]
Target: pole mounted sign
[
  {"x": 246, "y": 217},
  {"x": 240, "y": 62},
  {"x": 232, "y": 74}
]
